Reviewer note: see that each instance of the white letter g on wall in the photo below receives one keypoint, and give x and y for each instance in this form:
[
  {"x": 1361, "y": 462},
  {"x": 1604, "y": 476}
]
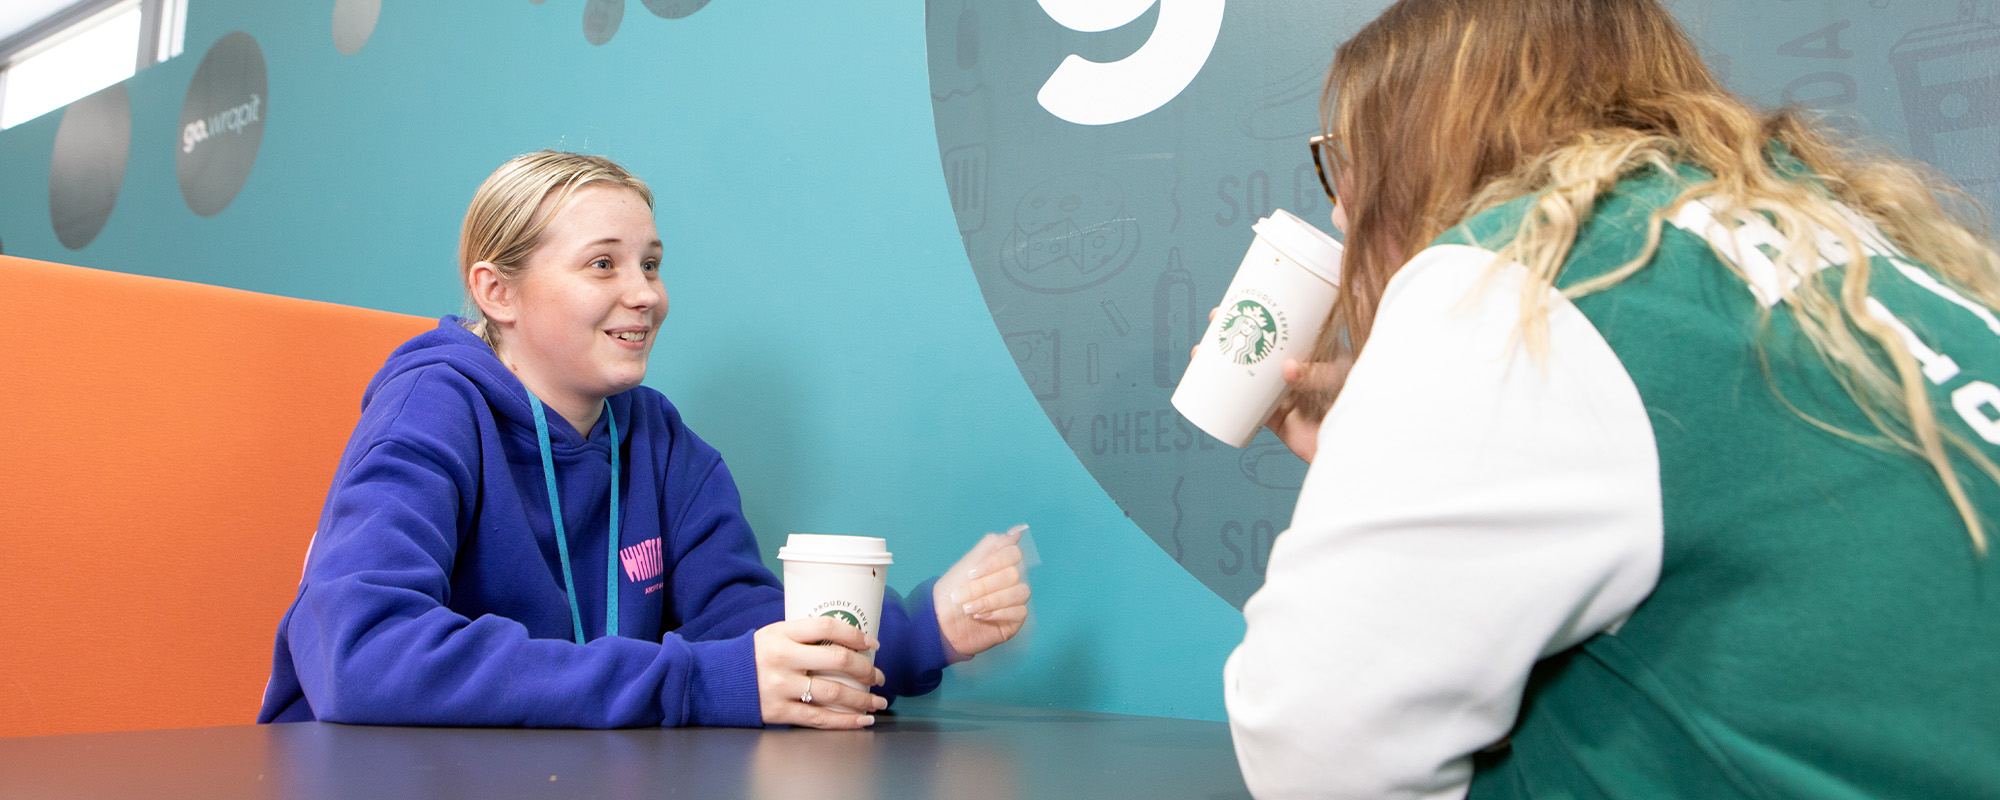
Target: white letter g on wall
[{"x": 1092, "y": 93}]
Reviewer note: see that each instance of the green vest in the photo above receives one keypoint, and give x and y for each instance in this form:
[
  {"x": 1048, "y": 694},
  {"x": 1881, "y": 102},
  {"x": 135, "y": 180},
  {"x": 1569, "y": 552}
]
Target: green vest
[{"x": 1822, "y": 626}]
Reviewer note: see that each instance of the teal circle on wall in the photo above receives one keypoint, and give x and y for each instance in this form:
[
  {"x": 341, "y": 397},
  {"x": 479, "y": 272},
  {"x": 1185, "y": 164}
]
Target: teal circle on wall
[
  {"x": 87, "y": 166},
  {"x": 222, "y": 124},
  {"x": 1105, "y": 159}
]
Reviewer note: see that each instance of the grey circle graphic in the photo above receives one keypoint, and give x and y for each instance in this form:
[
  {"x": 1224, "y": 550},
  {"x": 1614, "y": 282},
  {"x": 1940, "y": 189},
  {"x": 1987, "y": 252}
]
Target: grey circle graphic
[
  {"x": 92, "y": 147},
  {"x": 601, "y": 19},
  {"x": 1101, "y": 248},
  {"x": 1099, "y": 318},
  {"x": 674, "y": 9},
  {"x": 353, "y": 22},
  {"x": 222, "y": 124}
]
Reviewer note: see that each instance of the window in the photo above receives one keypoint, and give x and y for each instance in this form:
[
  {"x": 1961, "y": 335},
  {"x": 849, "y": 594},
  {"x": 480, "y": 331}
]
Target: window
[{"x": 53, "y": 52}]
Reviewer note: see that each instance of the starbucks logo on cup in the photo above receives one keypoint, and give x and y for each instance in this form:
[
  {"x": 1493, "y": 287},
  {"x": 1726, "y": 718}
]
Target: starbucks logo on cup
[
  {"x": 843, "y": 611},
  {"x": 1249, "y": 333},
  {"x": 844, "y": 616}
]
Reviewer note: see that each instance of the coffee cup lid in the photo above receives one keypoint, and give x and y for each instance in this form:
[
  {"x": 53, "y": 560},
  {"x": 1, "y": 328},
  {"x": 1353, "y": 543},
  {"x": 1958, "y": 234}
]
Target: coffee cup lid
[
  {"x": 1302, "y": 242},
  {"x": 834, "y": 549}
]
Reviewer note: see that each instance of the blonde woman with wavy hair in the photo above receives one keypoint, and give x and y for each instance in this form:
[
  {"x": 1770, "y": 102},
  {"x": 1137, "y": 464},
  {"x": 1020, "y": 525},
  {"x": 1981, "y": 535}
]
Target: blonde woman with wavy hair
[{"x": 1664, "y": 465}]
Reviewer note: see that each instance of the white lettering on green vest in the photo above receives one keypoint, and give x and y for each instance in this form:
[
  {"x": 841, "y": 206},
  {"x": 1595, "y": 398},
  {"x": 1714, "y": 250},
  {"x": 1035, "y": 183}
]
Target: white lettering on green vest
[{"x": 1747, "y": 242}]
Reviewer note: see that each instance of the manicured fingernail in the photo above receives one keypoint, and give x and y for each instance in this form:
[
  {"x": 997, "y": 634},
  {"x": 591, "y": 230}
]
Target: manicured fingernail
[
  {"x": 868, "y": 720},
  {"x": 954, "y": 595},
  {"x": 968, "y": 609},
  {"x": 881, "y": 703},
  {"x": 972, "y": 573}
]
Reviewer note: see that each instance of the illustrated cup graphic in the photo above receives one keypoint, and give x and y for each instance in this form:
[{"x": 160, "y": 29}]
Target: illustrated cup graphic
[
  {"x": 1950, "y": 83},
  {"x": 1273, "y": 310},
  {"x": 840, "y": 577}
]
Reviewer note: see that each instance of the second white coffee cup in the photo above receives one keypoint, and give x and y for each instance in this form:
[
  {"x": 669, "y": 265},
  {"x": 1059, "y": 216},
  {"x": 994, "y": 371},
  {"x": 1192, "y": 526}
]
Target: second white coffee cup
[
  {"x": 1274, "y": 310},
  {"x": 840, "y": 577}
]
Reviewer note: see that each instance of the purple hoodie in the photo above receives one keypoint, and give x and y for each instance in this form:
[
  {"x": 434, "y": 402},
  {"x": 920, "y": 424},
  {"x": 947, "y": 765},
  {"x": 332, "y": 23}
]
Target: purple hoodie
[{"x": 434, "y": 594}]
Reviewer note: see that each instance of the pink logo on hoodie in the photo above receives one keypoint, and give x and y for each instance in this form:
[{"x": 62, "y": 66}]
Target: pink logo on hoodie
[{"x": 642, "y": 560}]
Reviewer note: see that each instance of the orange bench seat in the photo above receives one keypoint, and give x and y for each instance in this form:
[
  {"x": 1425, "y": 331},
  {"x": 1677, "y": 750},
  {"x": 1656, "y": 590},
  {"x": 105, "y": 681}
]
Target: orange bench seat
[{"x": 166, "y": 451}]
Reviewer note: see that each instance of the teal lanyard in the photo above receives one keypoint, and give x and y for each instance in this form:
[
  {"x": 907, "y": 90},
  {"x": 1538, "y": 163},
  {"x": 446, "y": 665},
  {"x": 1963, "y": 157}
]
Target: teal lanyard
[{"x": 562, "y": 536}]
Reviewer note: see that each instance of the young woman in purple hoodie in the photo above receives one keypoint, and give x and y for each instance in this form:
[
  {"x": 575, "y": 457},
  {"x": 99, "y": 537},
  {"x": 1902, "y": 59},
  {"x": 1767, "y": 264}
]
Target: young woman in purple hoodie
[{"x": 519, "y": 533}]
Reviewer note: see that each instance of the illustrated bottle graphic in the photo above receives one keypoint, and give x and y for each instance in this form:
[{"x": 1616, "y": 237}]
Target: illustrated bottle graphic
[{"x": 1176, "y": 322}]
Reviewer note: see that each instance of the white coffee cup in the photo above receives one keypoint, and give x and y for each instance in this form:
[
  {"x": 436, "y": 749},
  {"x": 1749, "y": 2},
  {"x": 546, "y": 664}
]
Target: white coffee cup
[
  {"x": 840, "y": 577},
  {"x": 1274, "y": 310}
]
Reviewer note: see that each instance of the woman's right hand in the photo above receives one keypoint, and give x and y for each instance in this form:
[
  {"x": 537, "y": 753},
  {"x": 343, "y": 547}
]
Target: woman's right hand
[
  {"x": 788, "y": 651},
  {"x": 1297, "y": 423}
]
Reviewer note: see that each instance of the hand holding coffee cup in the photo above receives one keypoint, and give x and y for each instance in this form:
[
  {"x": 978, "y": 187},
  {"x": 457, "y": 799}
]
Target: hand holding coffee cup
[
  {"x": 1271, "y": 315},
  {"x": 839, "y": 578},
  {"x": 794, "y": 662},
  {"x": 1310, "y": 387}
]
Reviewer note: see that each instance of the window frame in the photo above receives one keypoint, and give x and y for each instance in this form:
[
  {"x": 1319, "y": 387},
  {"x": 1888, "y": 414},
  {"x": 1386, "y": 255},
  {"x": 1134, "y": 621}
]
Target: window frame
[{"x": 162, "y": 33}]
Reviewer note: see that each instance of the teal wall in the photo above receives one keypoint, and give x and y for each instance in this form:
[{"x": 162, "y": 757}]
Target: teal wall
[
  {"x": 847, "y": 190},
  {"x": 826, "y": 333}
]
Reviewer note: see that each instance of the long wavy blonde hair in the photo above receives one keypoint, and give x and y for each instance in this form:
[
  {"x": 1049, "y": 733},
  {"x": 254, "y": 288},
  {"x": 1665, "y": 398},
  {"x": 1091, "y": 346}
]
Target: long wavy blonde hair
[{"x": 1442, "y": 108}]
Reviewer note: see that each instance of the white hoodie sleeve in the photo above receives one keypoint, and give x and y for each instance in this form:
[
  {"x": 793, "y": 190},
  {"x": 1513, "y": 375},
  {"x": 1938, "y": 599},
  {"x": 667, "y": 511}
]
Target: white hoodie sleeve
[{"x": 1473, "y": 509}]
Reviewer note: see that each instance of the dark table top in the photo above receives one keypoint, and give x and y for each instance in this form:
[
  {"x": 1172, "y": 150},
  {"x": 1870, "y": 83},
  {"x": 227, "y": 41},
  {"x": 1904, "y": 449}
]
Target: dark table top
[{"x": 925, "y": 749}]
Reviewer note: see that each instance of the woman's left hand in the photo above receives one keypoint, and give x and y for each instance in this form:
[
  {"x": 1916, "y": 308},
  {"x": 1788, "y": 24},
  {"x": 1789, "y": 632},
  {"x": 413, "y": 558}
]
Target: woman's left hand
[{"x": 983, "y": 600}]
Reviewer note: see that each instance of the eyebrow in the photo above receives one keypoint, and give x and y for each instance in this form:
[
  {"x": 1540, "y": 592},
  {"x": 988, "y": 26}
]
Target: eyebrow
[{"x": 615, "y": 240}]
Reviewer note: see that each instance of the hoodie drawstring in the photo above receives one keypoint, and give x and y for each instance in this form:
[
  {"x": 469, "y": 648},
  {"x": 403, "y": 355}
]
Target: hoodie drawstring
[{"x": 562, "y": 536}]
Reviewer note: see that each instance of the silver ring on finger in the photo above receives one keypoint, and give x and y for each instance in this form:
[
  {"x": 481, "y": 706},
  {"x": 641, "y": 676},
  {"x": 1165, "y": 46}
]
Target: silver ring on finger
[{"x": 807, "y": 698}]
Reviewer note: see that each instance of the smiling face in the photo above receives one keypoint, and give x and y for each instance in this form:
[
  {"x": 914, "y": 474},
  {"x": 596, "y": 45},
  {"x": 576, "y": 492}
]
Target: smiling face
[{"x": 579, "y": 321}]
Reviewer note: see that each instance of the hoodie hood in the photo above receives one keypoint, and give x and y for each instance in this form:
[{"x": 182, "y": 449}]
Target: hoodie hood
[{"x": 451, "y": 345}]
